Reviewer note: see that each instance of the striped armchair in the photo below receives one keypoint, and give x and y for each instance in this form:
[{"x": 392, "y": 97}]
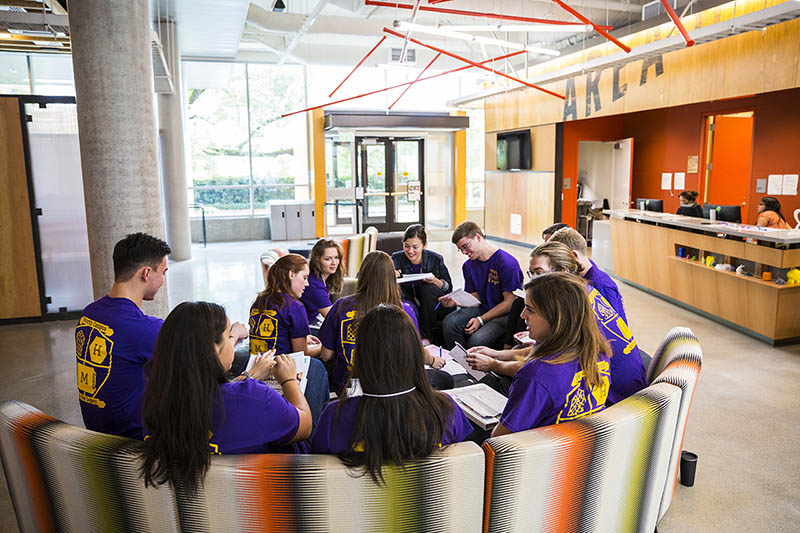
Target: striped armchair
[
  {"x": 604, "y": 472},
  {"x": 66, "y": 478},
  {"x": 677, "y": 361}
]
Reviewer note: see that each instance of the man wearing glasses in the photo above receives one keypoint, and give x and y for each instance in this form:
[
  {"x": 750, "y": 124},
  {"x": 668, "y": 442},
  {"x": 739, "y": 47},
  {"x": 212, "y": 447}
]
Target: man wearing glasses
[{"x": 491, "y": 275}]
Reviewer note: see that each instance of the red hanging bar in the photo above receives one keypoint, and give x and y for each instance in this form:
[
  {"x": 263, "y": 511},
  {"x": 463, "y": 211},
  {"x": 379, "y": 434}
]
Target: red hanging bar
[
  {"x": 359, "y": 64},
  {"x": 480, "y": 66},
  {"x": 417, "y": 79},
  {"x": 477, "y": 14},
  {"x": 401, "y": 84},
  {"x": 678, "y": 23},
  {"x": 597, "y": 28}
]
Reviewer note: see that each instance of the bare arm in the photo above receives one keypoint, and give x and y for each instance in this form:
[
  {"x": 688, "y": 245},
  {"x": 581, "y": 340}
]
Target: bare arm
[
  {"x": 300, "y": 344},
  {"x": 499, "y": 430},
  {"x": 324, "y": 311},
  {"x": 500, "y": 309},
  {"x": 326, "y": 354}
]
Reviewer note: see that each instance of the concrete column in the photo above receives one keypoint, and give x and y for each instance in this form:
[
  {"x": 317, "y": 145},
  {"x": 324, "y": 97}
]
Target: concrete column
[
  {"x": 114, "y": 91},
  {"x": 173, "y": 163}
]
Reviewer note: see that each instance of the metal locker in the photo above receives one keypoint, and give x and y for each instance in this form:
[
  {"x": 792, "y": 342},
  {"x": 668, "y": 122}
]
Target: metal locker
[
  {"x": 308, "y": 219},
  {"x": 277, "y": 220},
  {"x": 294, "y": 230}
]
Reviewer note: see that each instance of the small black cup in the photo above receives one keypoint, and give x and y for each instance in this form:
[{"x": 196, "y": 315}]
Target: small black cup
[{"x": 688, "y": 468}]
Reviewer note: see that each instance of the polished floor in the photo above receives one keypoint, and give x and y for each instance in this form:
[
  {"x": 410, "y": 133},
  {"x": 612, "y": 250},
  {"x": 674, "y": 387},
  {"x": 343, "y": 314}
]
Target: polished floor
[{"x": 744, "y": 423}]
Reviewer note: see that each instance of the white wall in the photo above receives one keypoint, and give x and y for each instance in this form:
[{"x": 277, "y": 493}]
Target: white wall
[{"x": 595, "y": 170}]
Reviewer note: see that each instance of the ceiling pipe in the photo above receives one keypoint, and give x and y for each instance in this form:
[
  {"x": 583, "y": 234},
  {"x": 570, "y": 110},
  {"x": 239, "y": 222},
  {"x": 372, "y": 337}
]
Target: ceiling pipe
[
  {"x": 312, "y": 17},
  {"x": 404, "y": 51},
  {"x": 498, "y": 16},
  {"x": 398, "y": 85},
  {"x": 415, "y": 80},
  {"x": 470, "y": 62},
  {"x": 678, "y": 23},
  {"x": 597, "y": 28}
]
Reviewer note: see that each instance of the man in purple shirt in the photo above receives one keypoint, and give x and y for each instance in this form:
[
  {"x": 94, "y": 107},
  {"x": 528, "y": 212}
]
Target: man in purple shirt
[{"x": 491, "y": 275}]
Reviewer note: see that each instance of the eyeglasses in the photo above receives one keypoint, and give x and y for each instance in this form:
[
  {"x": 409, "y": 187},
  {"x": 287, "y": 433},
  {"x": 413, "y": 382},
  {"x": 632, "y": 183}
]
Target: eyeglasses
[{"x": 464, "y": 248}]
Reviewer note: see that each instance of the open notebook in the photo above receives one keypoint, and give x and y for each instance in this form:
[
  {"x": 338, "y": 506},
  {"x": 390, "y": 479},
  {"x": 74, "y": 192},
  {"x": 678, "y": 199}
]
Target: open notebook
[
  {"x": 482, "y": 404},
  {"x": 302, "y": 361}
]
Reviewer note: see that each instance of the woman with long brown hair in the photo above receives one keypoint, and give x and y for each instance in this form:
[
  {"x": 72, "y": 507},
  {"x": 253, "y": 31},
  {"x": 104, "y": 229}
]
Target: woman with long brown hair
[
  {"x": 326, "y": 263},
  {"x": 566, "y": 374},
  {"x": 398, "y": 417},
  {"x": 377, "y": 285}
]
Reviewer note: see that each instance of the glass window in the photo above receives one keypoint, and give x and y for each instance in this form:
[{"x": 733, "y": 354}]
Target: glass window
[
  {"x": 52, "y": 74},
  {"x": 14, "y": 73},
  {"x": 475, "y": 159}
]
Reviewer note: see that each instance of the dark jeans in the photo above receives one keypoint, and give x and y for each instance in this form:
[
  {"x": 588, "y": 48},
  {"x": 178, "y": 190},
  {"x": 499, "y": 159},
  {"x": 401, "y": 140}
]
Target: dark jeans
[
  {"x": 426, "y": 297},
  {"x": 490, "y": 334},
  {"x": 515, "y": 323}
]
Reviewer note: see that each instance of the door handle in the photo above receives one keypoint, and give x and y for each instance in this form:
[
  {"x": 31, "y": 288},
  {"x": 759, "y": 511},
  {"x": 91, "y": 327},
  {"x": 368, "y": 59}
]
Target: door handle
[{"x": 376, "y": 194}]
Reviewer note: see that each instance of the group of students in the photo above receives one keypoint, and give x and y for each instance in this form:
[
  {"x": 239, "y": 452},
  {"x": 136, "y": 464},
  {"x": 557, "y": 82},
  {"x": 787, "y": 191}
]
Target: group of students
[
  {"x": 769, "y": 210},
  {"x": 168, "y": 383}
]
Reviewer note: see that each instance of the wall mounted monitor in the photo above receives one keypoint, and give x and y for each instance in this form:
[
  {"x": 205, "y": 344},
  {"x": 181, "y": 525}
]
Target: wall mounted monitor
[{"x": 514, "y": 150}]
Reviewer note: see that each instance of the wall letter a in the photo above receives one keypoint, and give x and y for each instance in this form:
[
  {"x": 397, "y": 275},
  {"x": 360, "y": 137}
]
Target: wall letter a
[{"x": 571, "y": 102}]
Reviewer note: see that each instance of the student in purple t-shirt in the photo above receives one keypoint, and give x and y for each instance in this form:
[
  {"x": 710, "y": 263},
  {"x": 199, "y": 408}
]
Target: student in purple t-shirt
[
  {"x": 591, "y": 272},
  {"x": 277, "y": 318},
  {"x": 187, "y": 383},
  {"x": 566, "y": 374},
  {"x": 114, "y": 338},
  {"x": 376, "y": 285},
  {"x": 399, "y": 416},
  {"x": 326, "y": 278},
  {"x": 491, "y": 275},
  {"x": 627, "y": 370}
]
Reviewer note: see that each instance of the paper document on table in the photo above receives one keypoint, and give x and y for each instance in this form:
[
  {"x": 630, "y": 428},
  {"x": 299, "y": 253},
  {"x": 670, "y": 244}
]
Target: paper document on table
[
  {"x": 482, "y": 404},
  {"x": 411, "y": 278},
  {"x": 460, "y": 355},
  {"x": 463, "y": 298},
  {"x": 302, "y": 361},
  {"x": 451, "y": 366}
]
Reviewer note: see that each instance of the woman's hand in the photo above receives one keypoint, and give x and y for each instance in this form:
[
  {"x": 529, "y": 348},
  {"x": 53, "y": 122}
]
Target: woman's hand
[
  {"x": 263, "y": 365},
  {"x": 479, "y": 361},
  {"x": 472, "y": 326},
  {"x": 523, "y": 338},
  {"x": 447, "y": 301},
  {"x": 239, "y": 332},
  {"x": 484, "y": 350},
  {"x": 437, "y": 362},
  {"x": 436, "y": 281},
  {"x": 311, "y": 339},
  {"x": 397, "y": 273},
  {"x": 285, "y": 369}
]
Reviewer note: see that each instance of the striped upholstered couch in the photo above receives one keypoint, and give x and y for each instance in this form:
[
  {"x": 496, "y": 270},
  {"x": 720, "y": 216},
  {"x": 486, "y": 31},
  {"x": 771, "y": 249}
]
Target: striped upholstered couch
[{"x": 613, "y": 471}]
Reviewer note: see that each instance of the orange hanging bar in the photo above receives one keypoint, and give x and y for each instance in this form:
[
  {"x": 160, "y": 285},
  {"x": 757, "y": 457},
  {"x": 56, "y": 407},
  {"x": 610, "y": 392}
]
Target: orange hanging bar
[
  {"x": 678, "y": 23},
  {"x": 401, "y": 84},
  {"x": 597, "y": 28},
  {"x": 359, "y": 64},
  {"x": 470, "y": 62},
  {"x": 416, "y": 80}
]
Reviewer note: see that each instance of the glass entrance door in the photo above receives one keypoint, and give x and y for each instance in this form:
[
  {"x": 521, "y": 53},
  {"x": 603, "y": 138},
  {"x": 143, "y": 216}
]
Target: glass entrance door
[{"x": 391, "y": 172}]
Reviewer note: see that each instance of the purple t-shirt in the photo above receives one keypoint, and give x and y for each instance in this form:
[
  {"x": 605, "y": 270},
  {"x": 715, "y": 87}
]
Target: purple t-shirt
[
  {"x": 627, "y": 369},
  {"x": 491, "y": 278},
  {"x": 253, "y": 418},
  {"x": 337, "y": 334},
  {"x": 603, "y": 283},
  {"x": 543, "y": 394},
  {"x": 275, "y": 328},
  {"x": 326, "y": 441},
  {"x": 113, "y": 340},
  {"x": 315, "y": 297}
]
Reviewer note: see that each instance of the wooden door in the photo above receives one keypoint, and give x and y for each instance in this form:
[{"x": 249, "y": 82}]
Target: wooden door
[{"x": 731, "y": 149}]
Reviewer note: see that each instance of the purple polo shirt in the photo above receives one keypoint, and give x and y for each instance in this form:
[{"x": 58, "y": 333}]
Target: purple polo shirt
[
  {"x": 491, "y": 278},
  {"x": 543, "y": 394},
  {"x": 326, "y": 440},
  {"x": 315, "y": 297},
  {"x": 276, "y": 327},
  {"x": 113, "y": 340},
  {"x": 337, "y": 334},
  {"x": 603, "y": 283},
  {"x": 252, "y": 418}
]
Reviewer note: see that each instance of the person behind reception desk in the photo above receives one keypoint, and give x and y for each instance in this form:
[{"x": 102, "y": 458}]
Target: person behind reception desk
[
  {"x": 689, "y": 206},
  {"x": 769, "y": 214}
]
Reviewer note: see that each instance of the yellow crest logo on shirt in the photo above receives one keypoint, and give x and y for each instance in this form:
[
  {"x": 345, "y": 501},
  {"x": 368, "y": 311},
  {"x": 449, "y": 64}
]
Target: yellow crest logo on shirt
[
  {"x": 94, "y": 353},
  {"x": 494, "y": 277}
]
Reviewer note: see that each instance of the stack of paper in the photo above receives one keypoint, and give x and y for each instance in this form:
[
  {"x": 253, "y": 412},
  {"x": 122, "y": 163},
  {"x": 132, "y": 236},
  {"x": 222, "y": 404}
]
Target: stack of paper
[
  {"x": 482, "y": 404},
  {"x": 302, "y": 361},
  {"x": 411, "y": 278}
]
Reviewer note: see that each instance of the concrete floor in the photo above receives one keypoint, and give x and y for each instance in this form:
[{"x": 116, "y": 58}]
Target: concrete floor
[{"x": 744, "y": 424}]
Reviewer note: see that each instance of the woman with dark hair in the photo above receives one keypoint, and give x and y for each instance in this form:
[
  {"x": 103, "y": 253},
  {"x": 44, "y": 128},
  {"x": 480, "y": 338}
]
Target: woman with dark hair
[
  {"x": 415, "y": 258},
  {"x": 769, "y": 214},
  {"x": 326, "y": 278},
  {"x": 376, "y": 285},
  {"x": 689, "y": 206},
  {"x": 398, "y": 417},
  {"x": 627, "y": 368},
  {"x": 565, "y": 375},
  {"x": 190, "y": 410}
]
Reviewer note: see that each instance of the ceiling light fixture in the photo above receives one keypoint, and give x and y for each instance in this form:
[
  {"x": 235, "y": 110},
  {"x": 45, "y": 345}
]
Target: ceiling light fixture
[
  {"x": 542, "y": 28},
  {"x": 442, "y": 32}
]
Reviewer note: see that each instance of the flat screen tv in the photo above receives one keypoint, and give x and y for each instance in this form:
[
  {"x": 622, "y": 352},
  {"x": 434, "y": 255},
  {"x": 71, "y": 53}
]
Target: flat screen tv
[{"x": 514, "y": 150}]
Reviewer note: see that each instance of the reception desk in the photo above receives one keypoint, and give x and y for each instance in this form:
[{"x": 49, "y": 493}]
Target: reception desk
[{"x": 646, "y": 249}]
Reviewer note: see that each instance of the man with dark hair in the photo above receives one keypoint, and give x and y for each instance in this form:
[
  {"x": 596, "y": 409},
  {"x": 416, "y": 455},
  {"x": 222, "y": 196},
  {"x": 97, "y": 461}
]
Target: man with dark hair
[
  {"x": 491, "y": 275},
  {"x": 549, "y": 230},
  {"x": 114, "y": 338}
]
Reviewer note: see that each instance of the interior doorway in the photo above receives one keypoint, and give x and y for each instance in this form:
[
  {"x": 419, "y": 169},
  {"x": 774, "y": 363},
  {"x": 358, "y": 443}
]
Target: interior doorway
[
  {"x": 728, "y": 148},
  {"x": 391, "y": 174}
]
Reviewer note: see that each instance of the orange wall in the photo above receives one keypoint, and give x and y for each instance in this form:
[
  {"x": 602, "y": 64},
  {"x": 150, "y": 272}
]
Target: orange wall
[{"x": 664, "y": 138}]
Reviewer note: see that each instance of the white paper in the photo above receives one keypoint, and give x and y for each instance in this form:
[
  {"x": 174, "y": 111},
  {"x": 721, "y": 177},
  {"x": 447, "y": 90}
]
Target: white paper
[
  {"x": 515, "y": 224},
  {"x": 680, "y": 181},
  {"x": 789, "y": 184},
  {"x": 482, "y": 404},
  {"x": 450, "y": 365},
  {"x": 775, "y": 184},
  {"x": 410, "y": 278},
  {"x": 302, "y": 362},
  {"x": 460, "y": 355},
  {"x": 666, "y": 181},
  {"x": 464, "y": 299}
]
